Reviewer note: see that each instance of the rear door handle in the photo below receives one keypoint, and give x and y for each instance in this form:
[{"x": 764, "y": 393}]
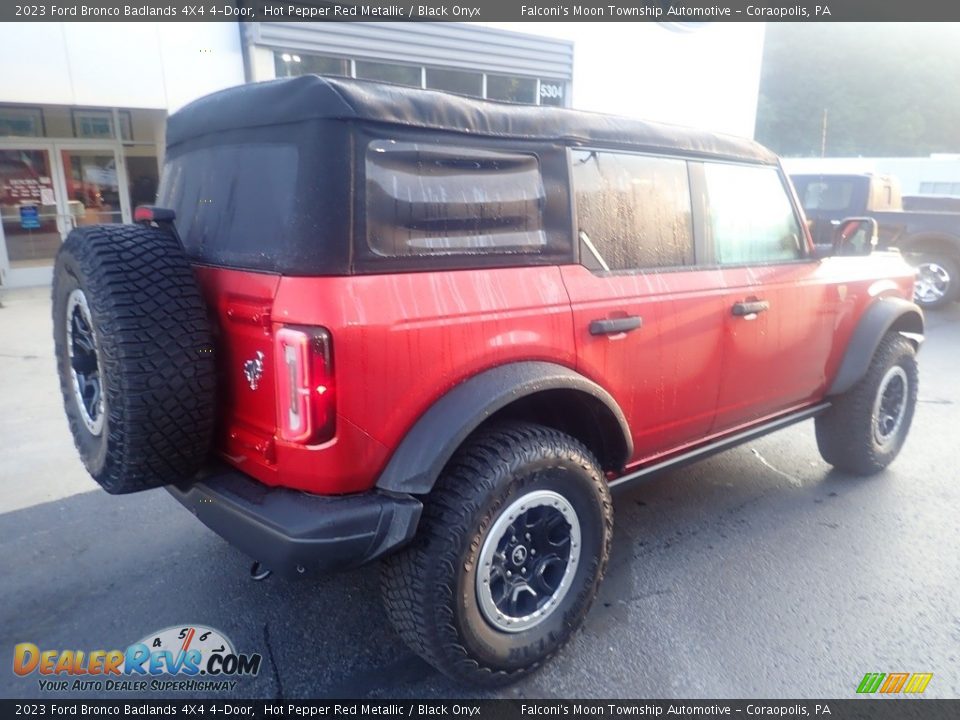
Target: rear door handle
[
  {"x": 752, "y": 307},
  {"x": 615, "y": 326}
]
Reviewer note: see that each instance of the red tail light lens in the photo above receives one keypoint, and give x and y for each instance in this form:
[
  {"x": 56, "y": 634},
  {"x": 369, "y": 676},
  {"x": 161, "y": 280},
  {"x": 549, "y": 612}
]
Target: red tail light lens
[{"x": 305, "y": 397}]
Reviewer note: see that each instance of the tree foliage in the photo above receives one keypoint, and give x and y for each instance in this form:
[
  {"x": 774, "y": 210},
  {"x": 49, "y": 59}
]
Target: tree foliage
[{"x": 889, "y": 89}]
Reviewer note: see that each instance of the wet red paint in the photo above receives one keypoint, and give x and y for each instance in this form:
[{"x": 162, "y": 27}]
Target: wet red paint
[{"x": 692, "y": 371}]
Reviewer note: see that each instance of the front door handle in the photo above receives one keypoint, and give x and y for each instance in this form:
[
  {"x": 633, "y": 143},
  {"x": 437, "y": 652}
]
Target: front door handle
[
  {"x": 752, "y": 307},
  {"x": 615, "y": 326}
]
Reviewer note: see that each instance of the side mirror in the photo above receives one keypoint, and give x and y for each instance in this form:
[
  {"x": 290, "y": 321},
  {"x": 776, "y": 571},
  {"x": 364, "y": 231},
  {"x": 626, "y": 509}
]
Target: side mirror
[{"x": 855, "y": 236}]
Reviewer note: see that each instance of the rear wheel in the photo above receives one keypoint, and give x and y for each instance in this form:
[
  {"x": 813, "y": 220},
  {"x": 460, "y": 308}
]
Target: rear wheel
[
  {"x": 510, "y": 552},
  {"x": 865, "y": 428},
  {"x": 938, "y": 280},
  {"x": 135, "y": 356}
]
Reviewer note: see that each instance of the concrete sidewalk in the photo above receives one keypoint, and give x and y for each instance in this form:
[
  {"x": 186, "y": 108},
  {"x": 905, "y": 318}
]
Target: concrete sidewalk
[{"x": 38, "y": 462}]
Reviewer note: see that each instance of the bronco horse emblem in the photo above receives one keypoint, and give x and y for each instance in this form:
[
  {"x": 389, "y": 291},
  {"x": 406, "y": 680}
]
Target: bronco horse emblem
[{"x": 253, "y": 370}]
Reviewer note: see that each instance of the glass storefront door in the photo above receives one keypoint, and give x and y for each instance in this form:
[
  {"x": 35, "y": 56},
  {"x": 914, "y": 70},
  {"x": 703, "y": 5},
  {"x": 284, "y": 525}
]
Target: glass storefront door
[
  {"x": 48, "y": 189},
  {"x": 92, "y": 184},
  {"x": 29, "y": 209}
]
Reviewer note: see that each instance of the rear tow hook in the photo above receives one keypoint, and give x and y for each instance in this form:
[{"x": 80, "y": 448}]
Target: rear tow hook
[{"x": 258, "y": 572}]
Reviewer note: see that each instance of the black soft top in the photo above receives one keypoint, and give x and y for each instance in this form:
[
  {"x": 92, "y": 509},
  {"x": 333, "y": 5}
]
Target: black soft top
[{"x": 311, "y": 97}]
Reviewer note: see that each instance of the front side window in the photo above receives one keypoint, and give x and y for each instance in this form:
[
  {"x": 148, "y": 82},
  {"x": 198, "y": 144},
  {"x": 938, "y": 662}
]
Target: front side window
[
  {"x": 427, "y": 199},
  {"x": 750, "y": 217},
  {"x": 633, "y": 211}
]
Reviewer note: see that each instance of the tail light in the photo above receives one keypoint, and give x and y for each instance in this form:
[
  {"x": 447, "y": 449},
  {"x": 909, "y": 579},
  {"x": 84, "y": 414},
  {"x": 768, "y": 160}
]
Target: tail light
[
  {"x": 151, "y": 214},
  {"x": 305, "y": 397}
]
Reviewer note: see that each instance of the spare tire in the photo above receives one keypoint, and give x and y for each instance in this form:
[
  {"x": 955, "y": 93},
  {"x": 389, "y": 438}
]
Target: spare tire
[{"x": 135, "y": 356}]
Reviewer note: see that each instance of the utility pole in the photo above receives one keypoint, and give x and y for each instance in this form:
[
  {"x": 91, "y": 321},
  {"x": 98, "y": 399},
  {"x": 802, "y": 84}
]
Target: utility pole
[{"x": 823, "y": 135}]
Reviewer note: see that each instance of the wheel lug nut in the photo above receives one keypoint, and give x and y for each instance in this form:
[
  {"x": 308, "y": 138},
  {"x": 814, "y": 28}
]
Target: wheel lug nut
[
  {"x": 533, "y": 551},
  {"x": 509, "y": 574},
  {"x": 523, "y": 570}
]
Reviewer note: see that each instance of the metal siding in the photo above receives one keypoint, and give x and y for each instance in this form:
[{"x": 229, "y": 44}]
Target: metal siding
[{"x": 438, "y": 44}]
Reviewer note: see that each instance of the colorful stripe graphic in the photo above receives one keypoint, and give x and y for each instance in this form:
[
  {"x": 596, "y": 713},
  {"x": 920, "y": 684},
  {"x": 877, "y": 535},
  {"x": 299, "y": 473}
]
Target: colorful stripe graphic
[{"x": 894, "y": 683}]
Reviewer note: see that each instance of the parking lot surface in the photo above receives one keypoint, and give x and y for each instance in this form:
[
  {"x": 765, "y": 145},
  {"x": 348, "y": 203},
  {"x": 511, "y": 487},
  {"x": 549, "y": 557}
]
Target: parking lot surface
[{"x": 757, "y": 573}]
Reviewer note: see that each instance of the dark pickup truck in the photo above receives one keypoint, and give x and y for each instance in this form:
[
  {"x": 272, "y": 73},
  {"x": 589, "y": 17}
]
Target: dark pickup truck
[{"x": 929, "y": 240}]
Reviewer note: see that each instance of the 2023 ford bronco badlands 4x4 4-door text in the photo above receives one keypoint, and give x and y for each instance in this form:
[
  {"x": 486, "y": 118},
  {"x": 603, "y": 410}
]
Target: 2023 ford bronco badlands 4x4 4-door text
[{"x": 367, "y": 321}]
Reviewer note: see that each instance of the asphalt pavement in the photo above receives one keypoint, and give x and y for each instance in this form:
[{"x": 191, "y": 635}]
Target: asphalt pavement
[{"x": 759, "y": 572}]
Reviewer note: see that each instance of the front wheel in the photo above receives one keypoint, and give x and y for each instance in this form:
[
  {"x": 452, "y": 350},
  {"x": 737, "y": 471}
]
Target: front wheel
[
  {"x": 510, "y": 552},
  {"x": 865, "y": 428},
  {"x": 938, "y": 280}
]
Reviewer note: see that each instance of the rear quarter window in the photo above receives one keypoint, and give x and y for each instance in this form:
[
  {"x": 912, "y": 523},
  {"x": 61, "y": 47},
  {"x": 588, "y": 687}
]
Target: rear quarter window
[
  {"x": 424, "y": 199},
  {"x": 234, "y": 203}
]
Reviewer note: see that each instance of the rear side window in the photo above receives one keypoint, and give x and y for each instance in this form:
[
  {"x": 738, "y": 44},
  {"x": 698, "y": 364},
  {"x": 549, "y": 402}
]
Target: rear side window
[
  {"x": 234, "y": 203},
  {"x": 427, "y": 200},
  {"x": 750, "y": 217},
  {"x": 827, "y": 194},
  {"x": 633, "y": 211}
]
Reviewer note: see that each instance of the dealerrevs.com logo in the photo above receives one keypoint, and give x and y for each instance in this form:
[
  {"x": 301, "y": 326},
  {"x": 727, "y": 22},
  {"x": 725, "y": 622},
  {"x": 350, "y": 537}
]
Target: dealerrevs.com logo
[{"x": 187, "y": 658}]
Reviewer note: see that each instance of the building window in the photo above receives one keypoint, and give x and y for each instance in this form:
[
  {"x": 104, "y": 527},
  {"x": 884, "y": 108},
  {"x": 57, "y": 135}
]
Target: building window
[
  {"x": 939, "y": 188},
  {"x": 512, "y": 89},
  {"x": 98, "y": 124},
  {"x": 508, "y": 88},
  {"x": 388, "y": 72},
  {"x": 291, "y": 63},
  {"x": 143, "y": 174},
  {"x": 21, "y": 122},
  {"x": 552, "y": 92},
  {"x": 633, "y": 211},
  {"x": 456, "y": 81}
]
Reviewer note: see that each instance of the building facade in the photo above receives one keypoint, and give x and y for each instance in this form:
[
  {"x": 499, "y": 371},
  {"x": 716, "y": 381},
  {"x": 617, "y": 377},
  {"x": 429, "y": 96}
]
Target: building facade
[
  {"x": 454, "y": 57},
  {"x": 83, "y": 106},
  {"x": 83, "y": 110}
]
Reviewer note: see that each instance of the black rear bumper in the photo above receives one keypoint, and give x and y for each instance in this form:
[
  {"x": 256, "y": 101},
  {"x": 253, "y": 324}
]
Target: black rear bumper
[{"x": 292, "y": 532}]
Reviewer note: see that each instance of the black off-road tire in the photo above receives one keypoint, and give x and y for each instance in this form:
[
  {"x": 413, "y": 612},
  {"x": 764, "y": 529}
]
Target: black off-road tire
[
  {"x": 846, "y": 432},
  {"x": 430, "y": 588},
  {"x": 154, "y": 354}
]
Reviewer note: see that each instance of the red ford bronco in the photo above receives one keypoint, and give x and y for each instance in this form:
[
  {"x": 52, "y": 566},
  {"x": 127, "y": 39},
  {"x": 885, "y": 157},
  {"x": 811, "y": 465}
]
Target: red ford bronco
[{"x": 366, "y": 321}]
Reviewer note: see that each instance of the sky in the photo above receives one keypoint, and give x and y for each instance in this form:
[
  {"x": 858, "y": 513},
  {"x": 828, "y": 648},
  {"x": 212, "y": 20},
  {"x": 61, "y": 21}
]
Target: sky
[{"x": 700, "y": 74}]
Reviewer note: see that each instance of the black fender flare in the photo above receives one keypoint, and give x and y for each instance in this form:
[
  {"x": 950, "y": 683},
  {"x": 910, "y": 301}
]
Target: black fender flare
[
  {"x": 877, "y": 320},
  {"x": 431, "y": 442}
]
